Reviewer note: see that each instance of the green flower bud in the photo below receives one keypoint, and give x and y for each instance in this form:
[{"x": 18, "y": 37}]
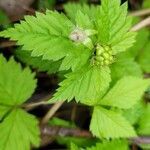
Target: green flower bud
[
  {"x": 111, "y": 58},
  {"x": 99, "y": 50},
  {"x": 106, "y": 62},
  {"x": 103, "y": 56},
  {"x": 107, "y": 48},
  {"x": 106, "y": 55},
  {"x": 100, "y": 58}
]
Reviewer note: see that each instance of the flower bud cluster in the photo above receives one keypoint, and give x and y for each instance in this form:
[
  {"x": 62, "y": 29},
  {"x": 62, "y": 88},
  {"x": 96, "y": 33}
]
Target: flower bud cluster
[{"x": 103, "y": 56}]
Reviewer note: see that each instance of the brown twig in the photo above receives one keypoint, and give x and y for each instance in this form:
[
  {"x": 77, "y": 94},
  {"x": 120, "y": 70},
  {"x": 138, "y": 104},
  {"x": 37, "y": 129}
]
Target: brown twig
[
  {"x": 29, "y": 9},
  {"x": 141, "y": 24},
  {"x": 63, "y": 131},
  {"x": 140, "y": 12},
  {"x": 140, "y": 140},
  {"x": 55, "y": 131},
  {"x": 42, "y": 101},
  {"x": 73, "y": 113},
  {"x": 7, "y": 44},
  {"x": 51, "y": 112},
  {"x": 30, "y": 106}
]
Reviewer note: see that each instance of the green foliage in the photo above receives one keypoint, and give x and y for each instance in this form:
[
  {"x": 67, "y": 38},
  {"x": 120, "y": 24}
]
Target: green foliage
[
  {"x": 126, "y": 92},
  {"x": 53, "y": 36},
  {"x": 133, "y": 114},
  {"x": 110, "y": 124},
  {"x": 144, "y": 126},
  {"x": 144, "y": 123},
  {"x": 13, "y": 94},
  {"x": 125, "y": 67},
  {"x": 72, "y": 9},
  {"x": 144, "y": 58},
  {"x": 146, "y": 4},
  {"x": 113, "y": 25},
  {"x": 43, "y": 4},
  {"x": 48, "y": 36},
  {"x": 85, "y": 45},
  {"x": 4, "y": 20},
  {"x": 141, "y": 40},
  {"x": 74, "y": 147},
  {"x": 60, "y": 122},
  {"x": 16, "y": 86},
  {"x": 37, "y": 62},
  {"x": 114, "y": 145},
  {"x": 18, "y": 131},
  {"x": 84, "y": 81}
]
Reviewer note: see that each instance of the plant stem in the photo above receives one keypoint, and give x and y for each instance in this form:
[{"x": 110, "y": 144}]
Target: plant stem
[
  {"x": 140, "y": 12},
  {"x": 7, "y": 44},
  {"x": 51, "y": 112},
  {"x": 33, "y": 105},
  {"x": 42, "y": 101},
  {"x": 141, "y": 24},
  {"x": 63, "y": 131},
  {"x": 55, "y": 131}
]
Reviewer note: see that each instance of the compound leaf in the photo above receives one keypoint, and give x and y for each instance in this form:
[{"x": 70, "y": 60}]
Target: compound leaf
[
  {"x": 48, "y": 35},
  {"x": 16, "y": 86},
  {"x": 109, "y": 124}
]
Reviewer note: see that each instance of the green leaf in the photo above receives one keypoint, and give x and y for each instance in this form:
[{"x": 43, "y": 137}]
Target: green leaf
[
  {"x": 72, "y": 9},
  {"x": 4, "y": 20},
  {"x": 144, "y": 126},
  {"x": 126, "y": 92},
  {"x": 114, "y": 145},
  {"x": 3, "y": 111},
  {"x": 80, "y": 20},
  {"x": 113, "y": 26},
  {"x": 144, "y": 122},
  {"x": 146, "y": 4},
  {"x": 134, "y": 113},
  {"x": 144, "y": 58},
  {"x": 86, "y": 85},
  {"x": 37, "y": 62},
  {"x": 74, "y": 147},
  {"x": 16, "y": 85},
  {"x": 141, "y": 40},
  {"x": 60, "y": 122},
  {"x": 48, "y": 35},
  {"x": 109, "y": 124},
  {"x": 18, "y": 131},
  {"x": 125, "y": 67}
]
